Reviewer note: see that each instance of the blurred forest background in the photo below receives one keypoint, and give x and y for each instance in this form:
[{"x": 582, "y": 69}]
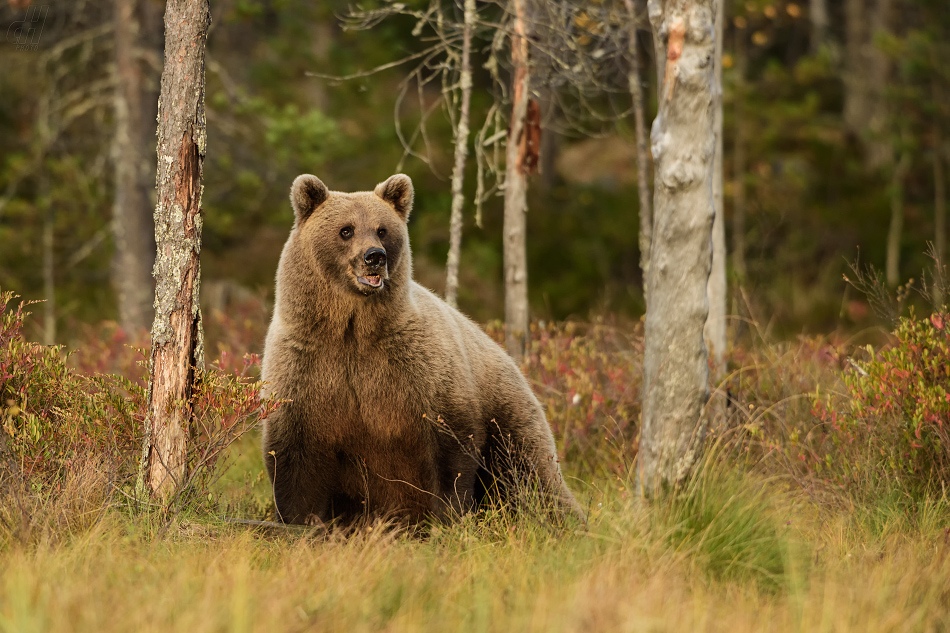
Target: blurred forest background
[{"x": 835, "y": 132}]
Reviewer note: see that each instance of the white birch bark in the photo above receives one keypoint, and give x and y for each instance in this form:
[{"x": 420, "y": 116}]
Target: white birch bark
[
  {"x": 715, "y": 331},
  {"x": 461, "y": 154},
  {"x": 675, "y": 370},
  {"x": 643, "y": 159}
]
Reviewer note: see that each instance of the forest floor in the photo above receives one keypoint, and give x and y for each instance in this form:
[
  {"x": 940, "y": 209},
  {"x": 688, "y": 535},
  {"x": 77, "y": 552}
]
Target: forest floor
[{"x": 737, "y": 552}]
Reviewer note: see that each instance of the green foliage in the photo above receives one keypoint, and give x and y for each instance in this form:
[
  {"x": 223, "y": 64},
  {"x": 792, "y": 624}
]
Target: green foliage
[
  {"x": 899, "y": 397},
  {"x": 728, "y": 523}
]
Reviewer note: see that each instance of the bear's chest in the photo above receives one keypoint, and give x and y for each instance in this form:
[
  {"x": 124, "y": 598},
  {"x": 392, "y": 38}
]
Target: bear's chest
[{"x": 361, "y": 396}]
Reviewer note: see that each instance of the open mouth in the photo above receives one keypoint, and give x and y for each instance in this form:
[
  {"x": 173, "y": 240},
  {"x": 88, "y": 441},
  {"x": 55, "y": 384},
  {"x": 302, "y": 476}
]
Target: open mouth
[{"x": 374, "y": 281}]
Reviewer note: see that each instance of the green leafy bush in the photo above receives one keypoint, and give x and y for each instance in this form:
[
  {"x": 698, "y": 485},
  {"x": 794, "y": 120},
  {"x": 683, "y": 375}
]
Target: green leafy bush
[{"x": 899, "y": 402}]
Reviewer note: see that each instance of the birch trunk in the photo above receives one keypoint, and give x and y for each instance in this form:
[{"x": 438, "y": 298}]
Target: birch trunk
[
  {"x": 177, "y": 356},
  {"x": 643, "y": 159},
  {"x": 896, "y": 228},
  {"x": 516, "y": 187},
  {"x": 715, "y": 330},
  {"x": 675, "y": 370},
  {"x": 132, "y": 225},
  {"x": 461, "y": 154}
]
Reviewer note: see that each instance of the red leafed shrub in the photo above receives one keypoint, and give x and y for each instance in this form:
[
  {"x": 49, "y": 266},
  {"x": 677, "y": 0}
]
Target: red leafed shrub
[
  {"x": 54, "y": 415},
  {"x": 588, "y": 378},
  {"x": 899, "y": 397}
]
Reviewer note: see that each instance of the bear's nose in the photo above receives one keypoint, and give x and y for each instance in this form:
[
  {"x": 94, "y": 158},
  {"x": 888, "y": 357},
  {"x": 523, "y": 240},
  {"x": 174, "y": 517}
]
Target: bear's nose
[{"x": 375, "y": 257}]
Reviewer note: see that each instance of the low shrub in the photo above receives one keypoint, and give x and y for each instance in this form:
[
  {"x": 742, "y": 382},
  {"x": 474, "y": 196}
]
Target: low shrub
[
  {"x": 895, "y": 409},
  {"x": 587, "y": 377},
  {"x": 63, "y": 430}
]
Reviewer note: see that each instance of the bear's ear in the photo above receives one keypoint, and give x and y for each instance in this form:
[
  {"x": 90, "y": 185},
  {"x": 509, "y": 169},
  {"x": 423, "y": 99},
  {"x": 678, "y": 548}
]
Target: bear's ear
[
  {"x": 397, "y": 191},
  {"x": 306, "y": 194}
]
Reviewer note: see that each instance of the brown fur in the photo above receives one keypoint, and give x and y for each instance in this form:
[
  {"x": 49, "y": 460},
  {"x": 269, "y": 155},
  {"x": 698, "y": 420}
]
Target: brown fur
[{"x": 396, "y": 399}]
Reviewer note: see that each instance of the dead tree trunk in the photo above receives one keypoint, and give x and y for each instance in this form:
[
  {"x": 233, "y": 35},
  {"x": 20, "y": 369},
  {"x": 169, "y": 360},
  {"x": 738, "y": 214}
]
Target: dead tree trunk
[
  {"x": 940, "y": 223},
  {"x": 867, "y": 70},
  {"x": 177, "y": 356},
  {"x": 132, "y": 224},
  {"x": 896, "y": 229},
  {"x": 675, "y": 370},
  {"x": 715, "y": 331},
  {"x": 643, "y": 158},
  {"x": 521, "y": 148},
  {"x": 738, "y": 161},
  {"x": 461, "y": 154},
  {"x": 818, "y": 14},
  {"x": 49, "y": 262}
]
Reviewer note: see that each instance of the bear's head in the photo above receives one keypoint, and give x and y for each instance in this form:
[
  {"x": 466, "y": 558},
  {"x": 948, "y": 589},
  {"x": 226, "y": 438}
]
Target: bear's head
[{"x": 358, "y": 239}]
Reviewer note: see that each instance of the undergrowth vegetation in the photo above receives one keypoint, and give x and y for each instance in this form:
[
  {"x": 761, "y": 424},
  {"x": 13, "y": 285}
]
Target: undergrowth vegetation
[{"x": 821, "y": 504}]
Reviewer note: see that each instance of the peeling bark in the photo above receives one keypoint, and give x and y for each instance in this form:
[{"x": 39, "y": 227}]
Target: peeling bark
[
  {"x": 643, "y": 159},
  {"x": 132, "y": 226},
  {"x": 461, "y": 154},
  {"x": 516, "y": 188},
  {"x": 177, "y": 343},
  {"x": 675, "y": 370},
  {"x": 715, "y": 331}
]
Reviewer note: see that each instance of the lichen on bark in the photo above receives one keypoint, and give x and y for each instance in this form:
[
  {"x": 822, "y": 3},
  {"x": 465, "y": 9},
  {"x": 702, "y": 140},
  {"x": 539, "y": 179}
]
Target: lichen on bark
[
  {"x": 177, "y": 355},
  {"x": 682, "y": 140}
]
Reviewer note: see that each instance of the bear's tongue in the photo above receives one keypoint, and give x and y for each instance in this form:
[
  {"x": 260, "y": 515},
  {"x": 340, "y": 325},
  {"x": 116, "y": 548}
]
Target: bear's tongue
[{"x": 371, "y": 280}]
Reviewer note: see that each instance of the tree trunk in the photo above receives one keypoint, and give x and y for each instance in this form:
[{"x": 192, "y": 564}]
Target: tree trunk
[
  {"x": 867, "y": 70},
  {"x": 739, "y": 158},
  {"x": 461, "y": 154},
  {"x": 675, "y": 370},
  {"x": 177, "y": 356},
  {"x": 715, "y": 330},
  {"x": 49, "y": 261},
  {"x": 516, "y": 188},
  {"x": 132, "y": 223},
  {"x": 940, "y": 224},
  {"x": 896, "y": 229},
  {"x": 643, "y": 158},
  {"x": 818, "y": 12}
]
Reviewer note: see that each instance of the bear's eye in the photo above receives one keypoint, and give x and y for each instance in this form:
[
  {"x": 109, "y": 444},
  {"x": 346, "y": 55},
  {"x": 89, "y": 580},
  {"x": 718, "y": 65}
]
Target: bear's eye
[
  {"x": 346, "y": 232},
  {"x": 381, "y": 233}
]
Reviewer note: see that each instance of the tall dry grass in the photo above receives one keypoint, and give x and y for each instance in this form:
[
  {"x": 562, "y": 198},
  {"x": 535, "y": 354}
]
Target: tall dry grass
[{"x": 764, "y": 537}]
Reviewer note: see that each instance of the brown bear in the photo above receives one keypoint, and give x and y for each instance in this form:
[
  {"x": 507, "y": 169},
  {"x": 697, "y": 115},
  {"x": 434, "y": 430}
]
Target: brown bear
[{"x": 397, "y": 405}]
